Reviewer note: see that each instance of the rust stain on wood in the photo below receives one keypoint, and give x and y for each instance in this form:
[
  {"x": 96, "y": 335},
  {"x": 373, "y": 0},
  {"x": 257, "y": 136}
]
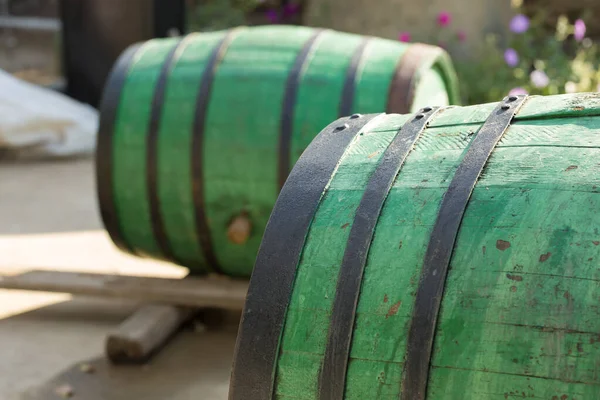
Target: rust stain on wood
[
  {"x": 483, "y": 249},
  {"x": 345, "y": 225},
  {"x": 545, "y": 257},
  {"x": 502, "y": 244},
  {"x": 514, "y": 277},
  {"x": 239, "y": 229},
  {"x": 394, "y": 309},
  {"x": 385, "y": 298},
  {"x": 513, "y": 289},
  {"x": 596, "y": 242},
  {"x": 571, "y": 167}
]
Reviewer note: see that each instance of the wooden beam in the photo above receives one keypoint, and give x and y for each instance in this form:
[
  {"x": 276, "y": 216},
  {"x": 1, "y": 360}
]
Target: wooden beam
[
  {"x": 217, "y": 292},
  {"x": 142, "y": 334}
]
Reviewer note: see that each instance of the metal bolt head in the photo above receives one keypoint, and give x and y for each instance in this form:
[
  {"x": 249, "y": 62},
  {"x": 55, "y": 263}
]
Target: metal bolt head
[
  {"x": 341, "y": 127},
  {"x": 426, "y": 109},
  {"x": 419, "y": 116},
  {"x": 505, "y": 106},
  {"x": 512, "y": 98},
  {"x": 355, "y": 116}
]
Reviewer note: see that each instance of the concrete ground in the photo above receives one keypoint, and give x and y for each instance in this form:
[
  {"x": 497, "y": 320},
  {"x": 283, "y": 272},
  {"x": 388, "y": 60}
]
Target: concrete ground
[{"x": 49, "y": 220}]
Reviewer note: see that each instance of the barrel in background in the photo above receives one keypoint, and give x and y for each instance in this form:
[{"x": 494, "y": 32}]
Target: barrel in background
[
  {"x": 198, "y": 134},
  {"x": 384, "y": 275}
]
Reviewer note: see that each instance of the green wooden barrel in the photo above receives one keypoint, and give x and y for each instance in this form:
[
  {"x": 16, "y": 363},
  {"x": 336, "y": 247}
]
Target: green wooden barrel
[
  {"x": 449, "y": 254},
  {"x": 198, "y": 134}
]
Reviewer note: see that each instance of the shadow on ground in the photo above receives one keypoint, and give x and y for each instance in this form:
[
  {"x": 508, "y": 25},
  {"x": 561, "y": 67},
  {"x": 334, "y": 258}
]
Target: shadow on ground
[
  {"x": 193, "y": 365},
  {"x": 188, "y": 368}
]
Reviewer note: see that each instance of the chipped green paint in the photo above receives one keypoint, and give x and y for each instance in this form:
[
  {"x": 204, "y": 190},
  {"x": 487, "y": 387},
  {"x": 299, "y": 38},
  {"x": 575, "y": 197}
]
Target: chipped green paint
[
  {"x": 520, "y": 316},
  {"x": 241, "y": 140}
]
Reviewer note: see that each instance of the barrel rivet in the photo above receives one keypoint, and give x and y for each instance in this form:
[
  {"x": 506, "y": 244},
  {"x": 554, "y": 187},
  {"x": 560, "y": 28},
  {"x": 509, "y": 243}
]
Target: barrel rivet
[
  {"x": 355, "y": 116},
  {"x": 419, "y": 116},
  {"x": 341, "y": 127},
  {"x": 505, "y": 106},
  {"x": 426, "y": 109},
  {"x": 512, "y": 98}
]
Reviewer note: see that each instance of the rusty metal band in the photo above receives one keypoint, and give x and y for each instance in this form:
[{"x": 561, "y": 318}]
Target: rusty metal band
[
  {"x": 347, "y": 100},
  {"x": 439, "y": 251},
  {"x": 197, "y": 148},
  {"x": 158, "y": 228},
  {"x": 109, "y": 107},
  {"x": 272, "y": 282},
  {"x": 404, "y": 82},
  {"x": 332, "y": 379},
  {"x": 289, "y": 103}
]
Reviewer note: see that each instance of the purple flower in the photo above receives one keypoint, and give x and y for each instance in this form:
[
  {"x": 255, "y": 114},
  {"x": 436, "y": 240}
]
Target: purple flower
[
  {"x": 519, "y": 23},
  {"x": 291, "y": 9},
  {"x": 461, "y": 35},
  {"x": 518, "y": 91},
  {"x": 444, "y": 18},
  {"x": 272, "y": 15},
  {"x": 404, "y": 37},
  {"x": 539, "y": 79},
  {"x": 580, "y": 29},
  {"x": 511, "y": 57}
]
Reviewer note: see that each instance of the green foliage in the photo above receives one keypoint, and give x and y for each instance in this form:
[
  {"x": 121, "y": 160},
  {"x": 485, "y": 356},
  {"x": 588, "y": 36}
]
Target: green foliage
[{"x": 562, "y": 63}]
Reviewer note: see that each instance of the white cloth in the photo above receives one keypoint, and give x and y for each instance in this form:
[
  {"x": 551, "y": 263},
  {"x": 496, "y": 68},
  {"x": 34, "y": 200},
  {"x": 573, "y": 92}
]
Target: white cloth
[{"x": 34, "y": 118}]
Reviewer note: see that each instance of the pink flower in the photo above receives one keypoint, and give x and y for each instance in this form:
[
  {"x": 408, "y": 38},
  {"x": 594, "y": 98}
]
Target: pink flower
[
  {"x": 404, "y": 37},
  {"x": 539, "y": 79},
  {"x": 511, "y": 57},
  {"x": 461, "y": 35},
  {"x": 272, "y": 15},
  {"x": 518, "y": 91},
  {"x": 580, "y": 29},
  {"x": 444, "y": 19},
  {"x": 519, "y": 24},
  {"x": 570, "y": 87}
]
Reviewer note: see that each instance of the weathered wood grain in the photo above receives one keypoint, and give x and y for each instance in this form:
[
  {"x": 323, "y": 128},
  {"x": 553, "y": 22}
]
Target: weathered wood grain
[{"x": 520, "y": 316}]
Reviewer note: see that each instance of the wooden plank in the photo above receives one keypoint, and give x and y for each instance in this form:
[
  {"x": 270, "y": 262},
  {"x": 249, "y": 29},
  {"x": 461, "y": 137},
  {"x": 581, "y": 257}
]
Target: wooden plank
[
  {"x": 144, "y": 332},
  {"x": 30, "y": 23},
  {"x": 193, "y": 292}
]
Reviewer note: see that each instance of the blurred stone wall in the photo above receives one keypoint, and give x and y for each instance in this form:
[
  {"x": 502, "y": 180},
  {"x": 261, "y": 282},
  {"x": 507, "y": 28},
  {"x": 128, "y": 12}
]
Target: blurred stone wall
[{"x": 387, "y": 18}]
